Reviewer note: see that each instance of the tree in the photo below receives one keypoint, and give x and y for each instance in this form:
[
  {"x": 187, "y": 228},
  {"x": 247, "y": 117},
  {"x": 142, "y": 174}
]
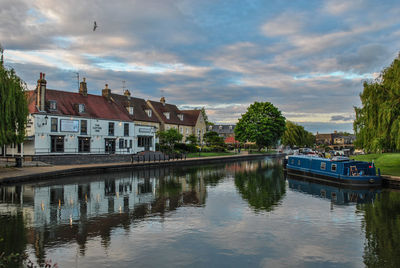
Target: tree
[
  {"x": 377, "y": 123},
  {"x": 263, "y": 124},
  {"x": 169, "y": 137},
  {"x": 212, "y": 138},
  {"x": 296, "y": 135},
  {"x": 192, "y": 139},
  {"x": 205, "y": 117},
  {"x": 13, "y": 106}
]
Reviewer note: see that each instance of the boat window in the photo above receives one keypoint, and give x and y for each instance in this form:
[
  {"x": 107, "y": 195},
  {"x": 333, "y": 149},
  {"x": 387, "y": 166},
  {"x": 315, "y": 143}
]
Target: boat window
[
  {"x": 333, "y": 168},
  {"x": 323, "y": 193},
  {"x": 323, "y": 165},
  {"x": 353, "y": 171},
  {"x": 292, "y": 161},
  {"x": 298, "y": 163}
]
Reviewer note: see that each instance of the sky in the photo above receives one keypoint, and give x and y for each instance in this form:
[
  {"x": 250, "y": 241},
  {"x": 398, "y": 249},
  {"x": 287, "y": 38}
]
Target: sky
[{"x": 308, "y": 58}]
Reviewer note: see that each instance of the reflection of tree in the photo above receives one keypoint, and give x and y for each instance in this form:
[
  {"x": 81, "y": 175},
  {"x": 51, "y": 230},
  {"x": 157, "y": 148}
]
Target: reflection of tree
[
  {"x": 382, "y": 230},
  {"x": 262, "y": 187},
  {"x": 12, "y": 235}
]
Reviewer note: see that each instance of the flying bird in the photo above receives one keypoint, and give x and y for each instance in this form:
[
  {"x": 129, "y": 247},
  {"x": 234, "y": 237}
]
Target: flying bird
[{"x": 94, "y": 26}]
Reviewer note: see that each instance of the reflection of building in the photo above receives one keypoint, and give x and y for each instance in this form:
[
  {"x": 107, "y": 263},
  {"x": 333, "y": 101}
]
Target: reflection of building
[{"x": 93, "y": 205}]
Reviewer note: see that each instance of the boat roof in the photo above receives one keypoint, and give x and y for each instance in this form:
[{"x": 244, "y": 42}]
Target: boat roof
[{"x": 315, "y": 157}]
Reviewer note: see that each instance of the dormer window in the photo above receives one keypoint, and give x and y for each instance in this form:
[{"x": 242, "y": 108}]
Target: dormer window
[
  {"x": 148, "y": 112},
  {"x": 230, "y": 127},
  {"x": 130, "y": 110},
  {"x": 81, "y": 108},
  {"x": 53, "y": 105},
  {"x": 166, "y": 114},
  {"x": 180, "y": 116}
]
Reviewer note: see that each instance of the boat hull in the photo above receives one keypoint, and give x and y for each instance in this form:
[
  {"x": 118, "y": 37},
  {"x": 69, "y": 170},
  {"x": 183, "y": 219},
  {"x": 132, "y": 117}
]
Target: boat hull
[{"x": 366, "y": 181}]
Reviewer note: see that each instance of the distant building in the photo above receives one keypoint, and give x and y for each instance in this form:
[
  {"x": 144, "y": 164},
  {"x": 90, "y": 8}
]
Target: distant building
[
  {"x": 187, "y": 122},
  {"x": 334, "y": 139},
  {"x": 223, "y": 130}
]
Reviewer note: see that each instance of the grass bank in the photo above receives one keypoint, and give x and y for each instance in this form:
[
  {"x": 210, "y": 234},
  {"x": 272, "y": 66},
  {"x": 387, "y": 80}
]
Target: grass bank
[
  {"x": 389, "y": 163},
  {"x": 207, "y": 154}
]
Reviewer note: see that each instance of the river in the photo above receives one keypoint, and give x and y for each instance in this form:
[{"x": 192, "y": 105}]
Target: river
[{"x": 236, "y": 214}]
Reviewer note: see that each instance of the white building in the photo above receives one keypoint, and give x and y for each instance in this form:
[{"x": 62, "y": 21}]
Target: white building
[{"x": 62, "y": 122}]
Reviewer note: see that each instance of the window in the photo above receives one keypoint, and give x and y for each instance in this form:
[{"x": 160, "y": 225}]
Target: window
[
  {"x": 210, "y": 127},
  {"x": 83, "y": 145},
  {"x": 130, "y": 110},
  {"x": 57, "y": 144},
  {"x": 181, "y": 129},
  {"x": 110, "y": 129},
  {"x": 54, "y": 124},
  {"x": 148, "y": 112},
  {"x": 126, "y": 129},
  {"x": 298, "y": 162},
  {"x": 333, "y": 168},
  {"x": 230, "y": 127},
  {"x": 81, "y": 108},
  {"x": 292, "y": 161},
  {"x": 187, "y": 130},
  {"x": 323, "y": 165},
  {"x": 166, "y": 115},
  {"x": 130, "y": 143},
  {"x": 220, "y": 127},
  {"x": 145, "y": 141},
  {"x": 83, "y": 126},
  {"x": 53, "y": 105},
  {"x": 180, "y": 116},
  {"x": 121, "y": 143}
]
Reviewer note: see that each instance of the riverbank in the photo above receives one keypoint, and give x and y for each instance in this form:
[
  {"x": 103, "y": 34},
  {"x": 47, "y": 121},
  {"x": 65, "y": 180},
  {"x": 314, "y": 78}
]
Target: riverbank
[
  {"x": 388, "y": 163},
  {"x": 25, "y": 174}
]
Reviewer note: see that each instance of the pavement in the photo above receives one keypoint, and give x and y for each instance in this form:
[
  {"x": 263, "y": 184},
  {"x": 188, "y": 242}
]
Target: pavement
[{"x": 38, "y": 170}]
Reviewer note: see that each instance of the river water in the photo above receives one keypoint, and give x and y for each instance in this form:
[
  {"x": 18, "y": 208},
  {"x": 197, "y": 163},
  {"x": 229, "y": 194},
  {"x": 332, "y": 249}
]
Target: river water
[{"x": 225, "y": 215}]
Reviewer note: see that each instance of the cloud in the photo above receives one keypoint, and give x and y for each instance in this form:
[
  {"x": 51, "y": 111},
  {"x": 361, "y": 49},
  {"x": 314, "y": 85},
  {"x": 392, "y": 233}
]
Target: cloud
[
  {"x": 308, "y": 58},
  {"x": 342, "y": 118}
]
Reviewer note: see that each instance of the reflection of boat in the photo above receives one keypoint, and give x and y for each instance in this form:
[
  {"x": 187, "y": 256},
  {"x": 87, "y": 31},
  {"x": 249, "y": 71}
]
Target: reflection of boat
[
  {"x": 340, "y": 171},
  {"x": 337, "y": 195}
]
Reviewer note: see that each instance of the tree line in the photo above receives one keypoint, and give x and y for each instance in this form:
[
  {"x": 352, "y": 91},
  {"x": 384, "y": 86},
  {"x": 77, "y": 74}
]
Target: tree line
[
  {"x": 377, "y": 123},
  {"x": 13, "y": 106}
]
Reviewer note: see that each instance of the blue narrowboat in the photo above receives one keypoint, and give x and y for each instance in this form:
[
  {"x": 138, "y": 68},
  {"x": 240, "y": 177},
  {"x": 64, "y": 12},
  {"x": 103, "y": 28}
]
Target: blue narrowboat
[{"x": 341, "y": 171}]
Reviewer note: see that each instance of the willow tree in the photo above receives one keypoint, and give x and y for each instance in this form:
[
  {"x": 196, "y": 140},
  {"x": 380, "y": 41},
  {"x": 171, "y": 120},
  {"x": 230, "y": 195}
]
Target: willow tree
[
  {"x": 297, "y": 135},
  {"x": 13, "y": 106},
  {"x": 377, "y": 123}
]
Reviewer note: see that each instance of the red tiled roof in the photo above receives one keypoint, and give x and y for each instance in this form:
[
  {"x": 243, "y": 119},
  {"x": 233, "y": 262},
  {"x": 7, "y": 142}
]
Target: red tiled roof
[
  {"x": 173, "y": 114},
  {"x": 95, "y": 106},
  {"x": 231, "y": 140},
  {"x": 191, "y": 115},
  {"x": 139, "y": 108}
]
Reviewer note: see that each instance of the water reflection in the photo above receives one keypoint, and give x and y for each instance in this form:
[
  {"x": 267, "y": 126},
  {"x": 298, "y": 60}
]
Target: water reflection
[
  {"x": 382, "y": 230},
  {"x": 77, "y": 209},
  {"x": 338, "y": 196},
  {"x": 263, "y": 185},
  {"x": 199, "y": 216}
]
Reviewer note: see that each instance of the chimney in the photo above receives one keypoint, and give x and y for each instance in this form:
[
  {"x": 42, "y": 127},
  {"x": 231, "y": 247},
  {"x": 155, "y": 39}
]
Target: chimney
[
  {"x": 162, "y": 100},
  {"x": 41, "y": 92},
  {"x": 83, "y": 87},
  {"x": 106, "y": 92},
  {"x": 127, "y": 94}
]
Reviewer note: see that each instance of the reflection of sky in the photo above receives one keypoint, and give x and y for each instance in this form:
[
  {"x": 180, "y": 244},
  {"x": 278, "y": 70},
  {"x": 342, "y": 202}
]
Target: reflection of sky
[{"x": 302, "y": 231}]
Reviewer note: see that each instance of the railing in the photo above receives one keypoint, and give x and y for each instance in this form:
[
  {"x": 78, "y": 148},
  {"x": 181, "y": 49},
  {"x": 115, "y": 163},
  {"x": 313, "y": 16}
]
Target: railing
[{"x": 39, "y": 151}]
